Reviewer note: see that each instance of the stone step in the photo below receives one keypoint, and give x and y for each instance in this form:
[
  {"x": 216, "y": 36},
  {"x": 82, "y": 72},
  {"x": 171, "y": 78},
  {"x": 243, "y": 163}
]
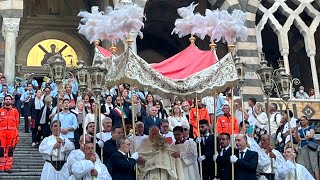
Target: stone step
[
  {"x": 24, "y": 163},
  {"x": 29, "y": 166},
  {"x": 26, "y": 170},
  {"x": 21, "y": 174},
  {"x": 21, "y": 177}
]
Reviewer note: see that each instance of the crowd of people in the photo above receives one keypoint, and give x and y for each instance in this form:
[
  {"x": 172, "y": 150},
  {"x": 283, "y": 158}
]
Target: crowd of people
[{"x": 172, "y": 139}]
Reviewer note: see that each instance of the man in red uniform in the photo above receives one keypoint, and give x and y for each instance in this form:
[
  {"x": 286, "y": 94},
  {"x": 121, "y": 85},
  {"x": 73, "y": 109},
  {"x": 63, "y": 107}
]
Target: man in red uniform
[
  {"x": 224, "y": 123},
  {"x": 203, "y": 114},
  {"x": 9, "y": 136}
]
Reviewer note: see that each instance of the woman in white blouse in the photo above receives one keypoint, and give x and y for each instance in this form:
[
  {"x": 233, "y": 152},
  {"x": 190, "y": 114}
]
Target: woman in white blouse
[
  {"x": 261, "y": 116},
  {"x": 261, "y": 123},
  {"x": 176, "y": 119}
]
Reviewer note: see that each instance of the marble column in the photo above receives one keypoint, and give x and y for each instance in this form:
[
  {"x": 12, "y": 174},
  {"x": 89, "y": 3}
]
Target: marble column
[
  {"x": 311, "y": 54},
  {"x": 10, "y": 28},
  {"x": 285, "y": 55}
]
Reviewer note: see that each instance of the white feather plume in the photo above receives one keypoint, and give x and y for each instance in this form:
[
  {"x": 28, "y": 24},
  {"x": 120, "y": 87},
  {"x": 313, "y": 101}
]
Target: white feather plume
[
  {"x": 231, "y": 26},
  {"x": 185, "y": 25},
  {"x": 112, "y": 24},
  {"x": 215, "y": 24}
]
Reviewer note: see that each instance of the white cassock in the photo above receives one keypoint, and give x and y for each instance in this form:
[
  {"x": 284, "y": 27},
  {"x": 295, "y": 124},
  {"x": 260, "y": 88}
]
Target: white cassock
[
  {"x": 266, "y": 159},
  {"x": 105, "y": 136},
  {"x": 188, "y": 157},
  {"x": 77, "y": 155},
  {"x": 170, "y": 137},
  {"x": 50, "y": 154},
  {"x": 90, "y": 118},
  {"x": 81, "y": 170},
  {"x": 138, "y": 142},
  {"x": 287, "y": 171}
]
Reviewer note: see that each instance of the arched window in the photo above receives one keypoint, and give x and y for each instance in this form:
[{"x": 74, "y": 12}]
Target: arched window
[
  {"x": 42, "y": 51},
  {"x": 288, "y": 29}
]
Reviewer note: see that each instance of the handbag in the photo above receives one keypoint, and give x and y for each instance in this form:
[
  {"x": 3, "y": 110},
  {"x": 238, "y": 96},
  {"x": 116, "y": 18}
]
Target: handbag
[
  {"x": 32, "y": 123},
  {"x": 312, "y": 146}
]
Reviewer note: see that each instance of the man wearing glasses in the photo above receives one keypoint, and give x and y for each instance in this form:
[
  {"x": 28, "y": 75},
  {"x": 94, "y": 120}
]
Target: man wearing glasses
[
  {"x": 223, "y": 157},
  {"x": 164, "y": 130}
]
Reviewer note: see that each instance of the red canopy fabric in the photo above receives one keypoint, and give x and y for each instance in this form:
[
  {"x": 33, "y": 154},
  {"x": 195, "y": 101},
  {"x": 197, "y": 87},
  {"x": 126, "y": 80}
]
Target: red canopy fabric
[
  {"x": 185, "y": 63},
  {"x": 104, "y": 52}
]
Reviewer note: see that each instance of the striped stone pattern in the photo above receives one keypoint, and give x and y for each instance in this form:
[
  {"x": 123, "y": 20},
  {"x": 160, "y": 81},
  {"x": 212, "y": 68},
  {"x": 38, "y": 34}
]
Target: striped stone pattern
[
  {"x": 11, "y": 8},
  {"x": 2, "y": 42},
  {"x": 247, "y": 51}
]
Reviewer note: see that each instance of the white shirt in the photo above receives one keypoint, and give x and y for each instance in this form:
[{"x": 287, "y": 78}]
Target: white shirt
[
  {"x": 244, "y": 152},
  {"x": 209, "y": 102},
  {"x": 221, "y": 153},
  {"x": 275, "y": 119},
  {"x": 292, "y": 123},
  {"x": 170, "y": 135},
  {"x": 262, "y": 120},
  {"x": 105, "y": 136},
  {"x": 177, "y": 121},
  {"x": 251, "y": 119}
]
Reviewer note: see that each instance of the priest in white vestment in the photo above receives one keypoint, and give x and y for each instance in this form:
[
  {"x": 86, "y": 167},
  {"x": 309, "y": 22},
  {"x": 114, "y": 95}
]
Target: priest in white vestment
[
  {"x": 106, "y": 132},
  {"x": 90, "y": 167},
  {"x": 159, "y": 164},
  {"x": 139, "y": 137},
  {"x": 267, "y": 152},
  {"x": 289, "y": 170},
  {"x": 186, "y": 155},
  {"x": 78, "y": 154},
  {"x": 54, "y": 151}
]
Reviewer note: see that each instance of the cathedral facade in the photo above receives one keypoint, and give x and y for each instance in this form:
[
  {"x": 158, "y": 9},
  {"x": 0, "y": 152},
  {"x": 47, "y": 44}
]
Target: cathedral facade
[{"x": 33, "y": 30}]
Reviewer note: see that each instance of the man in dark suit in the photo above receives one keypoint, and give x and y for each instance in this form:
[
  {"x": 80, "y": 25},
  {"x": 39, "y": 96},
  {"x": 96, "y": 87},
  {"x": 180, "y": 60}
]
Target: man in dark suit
[
  {"x": 110, "y": 146},
  {"x": 151, "y": 120},
  {"x": 223, "y": 157},
  {"x": 120, "y": 166},
  {"x": 117, "y": 112},
  {"x": 206, "y": 141},
  {"x": 245, "y": 161}
]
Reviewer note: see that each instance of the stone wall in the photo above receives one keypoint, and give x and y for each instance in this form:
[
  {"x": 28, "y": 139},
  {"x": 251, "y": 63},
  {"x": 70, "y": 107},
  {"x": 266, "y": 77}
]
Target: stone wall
[{"x": 2, "y": 42}]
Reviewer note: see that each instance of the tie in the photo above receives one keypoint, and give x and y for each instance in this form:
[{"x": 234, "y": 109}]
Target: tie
[
  {"x": 241, "y": 155},
  {"x": 154, "y": 119},
  {"x": 224, "y": 152}
]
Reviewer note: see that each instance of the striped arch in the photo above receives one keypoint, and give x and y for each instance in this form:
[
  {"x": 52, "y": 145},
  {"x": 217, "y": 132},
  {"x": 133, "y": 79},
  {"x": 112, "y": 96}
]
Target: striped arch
[{"x": 248, "y": 51}]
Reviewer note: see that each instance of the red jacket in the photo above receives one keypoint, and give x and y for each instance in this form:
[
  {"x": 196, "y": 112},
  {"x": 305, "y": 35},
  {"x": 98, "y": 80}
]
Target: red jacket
[
  {"x": 203, "y": 114},
  {"x": 9, "y": 118},
  {"x": 224, "y": 125}
]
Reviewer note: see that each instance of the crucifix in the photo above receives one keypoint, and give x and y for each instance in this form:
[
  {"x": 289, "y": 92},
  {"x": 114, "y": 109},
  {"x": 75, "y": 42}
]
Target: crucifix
[{"x": 154, "y": 178}]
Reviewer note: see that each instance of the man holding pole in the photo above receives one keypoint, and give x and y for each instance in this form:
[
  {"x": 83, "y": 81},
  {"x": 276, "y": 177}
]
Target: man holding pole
[
  {"x": 245, "y": 161},
  {"x": 206, "y": 141},
  {"x": 223, "y": 157}
]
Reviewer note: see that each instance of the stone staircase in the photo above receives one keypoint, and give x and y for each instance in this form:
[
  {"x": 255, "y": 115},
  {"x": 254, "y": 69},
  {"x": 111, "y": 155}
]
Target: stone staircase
[{"x": 27, "y": 161}]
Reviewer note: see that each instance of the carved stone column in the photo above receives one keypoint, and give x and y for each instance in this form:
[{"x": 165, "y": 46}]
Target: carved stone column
[
  {"x": 10, "y": 28},
  {"x": 285, "y": 55},
  {"x": 312, "y": 54}
]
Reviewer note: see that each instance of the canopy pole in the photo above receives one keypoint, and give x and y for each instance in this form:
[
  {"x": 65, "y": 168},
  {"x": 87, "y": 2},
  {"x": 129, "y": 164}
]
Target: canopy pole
[
  {"x": 199, "y": 144},
  {"x": 83, "y": 123},
  {"x": 232, "y": 131},
  {"x": 122, "y": 113},
  {"x": 101, "y": 125},
  {"x": 134, "y": 130},
  {"x": 215, "y": 133}
]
